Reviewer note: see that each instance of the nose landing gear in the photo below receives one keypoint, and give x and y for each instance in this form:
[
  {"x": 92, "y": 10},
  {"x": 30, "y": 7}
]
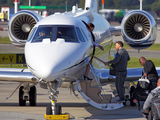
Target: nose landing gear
[{"x": 54, "y": 111}]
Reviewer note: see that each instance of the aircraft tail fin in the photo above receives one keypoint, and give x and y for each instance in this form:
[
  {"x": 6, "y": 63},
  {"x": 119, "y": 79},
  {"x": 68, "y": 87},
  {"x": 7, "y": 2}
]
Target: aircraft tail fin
[{"x": 92, "y": 5}]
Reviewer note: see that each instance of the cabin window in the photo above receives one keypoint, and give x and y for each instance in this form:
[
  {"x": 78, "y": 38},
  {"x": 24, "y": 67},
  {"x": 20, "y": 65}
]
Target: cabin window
[
  {"x": 43, "y": 32},
  {"x": 67, "y": 33}
]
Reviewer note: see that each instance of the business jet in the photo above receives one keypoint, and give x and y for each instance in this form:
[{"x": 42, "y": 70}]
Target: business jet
[{"x": 58, "y": 49}]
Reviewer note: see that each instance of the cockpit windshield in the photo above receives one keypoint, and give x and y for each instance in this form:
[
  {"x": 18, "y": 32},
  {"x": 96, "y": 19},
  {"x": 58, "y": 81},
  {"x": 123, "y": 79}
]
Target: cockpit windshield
[
  {"x": 42, "y": 33},
  {"x": 54, "y": 32},
  {"x": 67, "y": 33}
]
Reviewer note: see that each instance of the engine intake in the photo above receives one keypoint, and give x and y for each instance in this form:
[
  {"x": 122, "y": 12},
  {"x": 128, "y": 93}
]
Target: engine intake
[
  {"x": 139, "y": 29},
  {"x": 20, "y": 25}
]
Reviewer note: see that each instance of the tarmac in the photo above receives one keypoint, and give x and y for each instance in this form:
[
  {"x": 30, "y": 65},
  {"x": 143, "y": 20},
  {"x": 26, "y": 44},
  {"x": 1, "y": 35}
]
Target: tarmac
[{"x": 78, "y": 109}]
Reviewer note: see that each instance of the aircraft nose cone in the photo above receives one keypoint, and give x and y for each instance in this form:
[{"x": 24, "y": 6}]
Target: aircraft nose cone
[{"x": 48, "y": 71}]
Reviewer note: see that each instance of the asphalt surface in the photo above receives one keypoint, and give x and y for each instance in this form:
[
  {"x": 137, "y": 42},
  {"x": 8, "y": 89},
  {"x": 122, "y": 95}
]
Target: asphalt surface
[{"x": 78, "y": 109}]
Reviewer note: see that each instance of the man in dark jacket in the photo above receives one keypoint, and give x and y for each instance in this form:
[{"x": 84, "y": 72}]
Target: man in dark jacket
[
  {"x": 150, "y": 72},
  {"x": 120, "y": 63}
]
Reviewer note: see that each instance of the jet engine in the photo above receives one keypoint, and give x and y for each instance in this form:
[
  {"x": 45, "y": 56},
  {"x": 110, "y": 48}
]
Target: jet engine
[
  {"x": 20, "y": 25},
  {"x": 139, "y": 29}
]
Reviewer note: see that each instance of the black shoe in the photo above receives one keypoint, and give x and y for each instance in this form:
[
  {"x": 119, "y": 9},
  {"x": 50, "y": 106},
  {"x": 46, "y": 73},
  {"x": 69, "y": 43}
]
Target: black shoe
[
  {"x": 121, "y": 100},
  {"x": 87, "y": 78}
]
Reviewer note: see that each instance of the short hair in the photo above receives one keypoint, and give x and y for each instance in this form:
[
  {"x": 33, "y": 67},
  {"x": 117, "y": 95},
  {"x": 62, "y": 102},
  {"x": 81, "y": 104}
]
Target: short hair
[
  {"x": 91, "y": 25},
  {"x": 120, "y": 43}
]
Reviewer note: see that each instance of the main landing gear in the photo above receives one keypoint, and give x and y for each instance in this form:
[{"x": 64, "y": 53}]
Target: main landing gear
[{"x": 27, "y": 93}]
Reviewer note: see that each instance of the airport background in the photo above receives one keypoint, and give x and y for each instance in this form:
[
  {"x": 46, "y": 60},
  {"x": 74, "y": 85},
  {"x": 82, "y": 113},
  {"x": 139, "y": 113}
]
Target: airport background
[{"x": 112, "y": 10}]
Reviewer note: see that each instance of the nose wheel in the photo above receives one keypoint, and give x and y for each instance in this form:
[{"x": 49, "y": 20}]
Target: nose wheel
[{"x": 57, "y": 110}]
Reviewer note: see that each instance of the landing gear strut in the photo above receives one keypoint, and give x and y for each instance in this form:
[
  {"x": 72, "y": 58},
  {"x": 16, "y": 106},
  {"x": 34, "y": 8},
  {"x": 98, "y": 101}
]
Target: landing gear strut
[
  {"x": 53, "y": 111},
  {"x": 53, "y": 108}
]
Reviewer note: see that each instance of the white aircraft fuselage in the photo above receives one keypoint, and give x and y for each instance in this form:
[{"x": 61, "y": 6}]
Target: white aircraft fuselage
[{"x": 48, "y": 58}]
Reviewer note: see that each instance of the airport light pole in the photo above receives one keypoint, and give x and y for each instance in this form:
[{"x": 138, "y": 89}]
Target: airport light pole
[
  {"x": 140, "y": 4},
  {"x": 66, "y": 5},
  {"x": 102, "y": 4},
  {"x": 29, "y": 2},
  {"x": 15, "y": 6}
]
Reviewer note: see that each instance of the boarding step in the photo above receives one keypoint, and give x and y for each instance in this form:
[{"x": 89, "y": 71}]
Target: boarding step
[
  {"x": 94, "y": 97},
  {"x": 94, "y": 93}
]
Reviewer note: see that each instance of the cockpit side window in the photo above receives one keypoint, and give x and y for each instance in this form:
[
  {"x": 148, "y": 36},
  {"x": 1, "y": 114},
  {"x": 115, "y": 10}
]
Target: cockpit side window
[
  {"x": 80, "y": 35},
  {"x": 43, "y": 32},
  {"x": 67, "y": 33},
  {"x": 84, "y": 34},
  {"x": 31, "y": 34}
]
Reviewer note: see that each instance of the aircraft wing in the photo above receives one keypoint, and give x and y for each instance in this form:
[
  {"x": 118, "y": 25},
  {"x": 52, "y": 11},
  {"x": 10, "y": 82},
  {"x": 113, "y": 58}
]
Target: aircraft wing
[
  {"x": 133, "y": 74},
  {"x": 115, "y": 30},
  {"x": 103, "y": 76},
  {"x": 17, "y": 75}
]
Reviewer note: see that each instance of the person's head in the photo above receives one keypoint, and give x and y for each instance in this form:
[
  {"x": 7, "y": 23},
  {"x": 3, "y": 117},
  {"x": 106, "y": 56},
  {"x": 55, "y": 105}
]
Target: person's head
[
  {"x": 91, "y": 27},
  {"x": 158, "y": 83},
  {"x": 142, "y": 60},
  {"x": 119, "y": 45},
  {"x": 42, "y": 33}
]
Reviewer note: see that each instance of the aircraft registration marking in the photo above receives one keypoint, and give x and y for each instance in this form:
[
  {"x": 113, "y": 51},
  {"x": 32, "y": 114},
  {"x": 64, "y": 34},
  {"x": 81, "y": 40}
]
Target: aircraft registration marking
[{"x": 12, "y": 59}]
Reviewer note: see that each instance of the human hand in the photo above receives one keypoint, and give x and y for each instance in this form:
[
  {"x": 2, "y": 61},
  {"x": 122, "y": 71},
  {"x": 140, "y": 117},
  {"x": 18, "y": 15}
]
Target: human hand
[
  {"x": 100, "y": 47},
  {"x": 106, "y": 63},
  {"x": 145, "y": 74}
]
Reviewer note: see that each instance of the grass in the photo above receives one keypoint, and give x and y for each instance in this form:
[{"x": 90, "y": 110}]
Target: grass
[
  {"x": 134, "y": 62},
  {"x": 12, "y": 66},
  {"x": 5, "y": 40},
  {"x": 153, "y": 47}
]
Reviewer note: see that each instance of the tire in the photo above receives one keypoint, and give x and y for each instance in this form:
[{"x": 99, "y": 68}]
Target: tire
[
  {"x": 132, "y": 103},
  {"x": 32, "y": 96},
  {"x": 131, "y": 96},
  {"x": 58, "y": 110},
  {"x": 124, "y": 103},
  {"x": 150, "y": 116},
  {"x": 48, "y": 110},
  {"x": 21, "y": 101}
]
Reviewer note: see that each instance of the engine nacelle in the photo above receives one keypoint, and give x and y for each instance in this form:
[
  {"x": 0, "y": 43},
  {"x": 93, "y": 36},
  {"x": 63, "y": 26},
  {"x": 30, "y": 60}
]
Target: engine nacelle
[
  {"x": 139, "y": 29},
  {"x": 20, "y": 25}
]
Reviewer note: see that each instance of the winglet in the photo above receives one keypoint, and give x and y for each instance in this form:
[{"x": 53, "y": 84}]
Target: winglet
[{"x": 92, "y": 5}]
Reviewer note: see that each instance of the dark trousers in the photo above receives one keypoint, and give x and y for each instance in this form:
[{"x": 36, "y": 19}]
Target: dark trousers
[
  {"x": 152, "y": 85},
  {"x": 120, "y": 78}
]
